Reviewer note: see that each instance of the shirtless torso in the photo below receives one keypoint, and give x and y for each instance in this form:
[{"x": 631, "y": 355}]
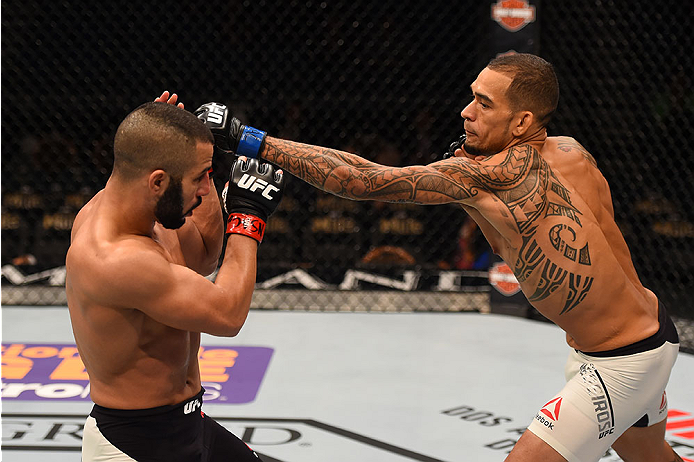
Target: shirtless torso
[
  {"x": 122, "y": 347},
  {"x": 565, "y": 247},
  {"x": 544, "y": 207},
  {"x": 136, "y": 293}
]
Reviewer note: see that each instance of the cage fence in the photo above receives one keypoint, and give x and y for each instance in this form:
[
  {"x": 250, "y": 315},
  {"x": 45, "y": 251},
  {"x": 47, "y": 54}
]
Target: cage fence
[{"x": 383, "y": 79}]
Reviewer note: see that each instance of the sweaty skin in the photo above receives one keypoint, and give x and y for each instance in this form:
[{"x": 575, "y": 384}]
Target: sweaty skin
[
  {"x": 137, "y": 296},
  {"x": 545, "y": 209}
]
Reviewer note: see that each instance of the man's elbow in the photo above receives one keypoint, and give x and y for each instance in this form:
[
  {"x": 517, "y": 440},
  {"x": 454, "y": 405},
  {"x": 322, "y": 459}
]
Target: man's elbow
[
  {"x": 209, "y": 267},
  {"x": 226, "y": 329},
  {"x": 232, "y": 331},
  {"x": 229, "y": 324},
  {"x": 206, "y": 265}
]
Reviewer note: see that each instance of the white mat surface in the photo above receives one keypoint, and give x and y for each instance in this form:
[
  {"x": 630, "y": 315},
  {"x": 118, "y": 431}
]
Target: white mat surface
[{"x": 342, "y": 387}]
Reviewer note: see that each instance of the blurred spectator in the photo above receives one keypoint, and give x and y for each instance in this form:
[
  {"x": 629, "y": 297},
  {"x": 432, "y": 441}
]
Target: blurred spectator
[
  {"x": 55, "y": 156},
  {"x": 424, "y": 151},
  {"x": 676, "y": 100},
  {"x": 473, "y": 251},
  {"x": 294, "y": 122}
]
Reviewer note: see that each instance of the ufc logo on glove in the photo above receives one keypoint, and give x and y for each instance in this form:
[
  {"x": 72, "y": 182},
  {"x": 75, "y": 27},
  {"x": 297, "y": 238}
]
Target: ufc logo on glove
[
  {"x": 253, "y": 184},
  {"x": 216, "y": 113}
]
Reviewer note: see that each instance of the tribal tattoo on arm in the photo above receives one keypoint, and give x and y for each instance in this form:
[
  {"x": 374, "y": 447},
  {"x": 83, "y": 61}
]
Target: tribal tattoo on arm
[
  {"x": 353, "y": 177},
  {"x": 523, "y": 182}
]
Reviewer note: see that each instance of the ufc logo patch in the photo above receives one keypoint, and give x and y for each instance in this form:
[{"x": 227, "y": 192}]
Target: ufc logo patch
[
  {"x": 191, "y": 406},
  {"x": 253, "y": 184},
  {"x": 216, "y": 113}
]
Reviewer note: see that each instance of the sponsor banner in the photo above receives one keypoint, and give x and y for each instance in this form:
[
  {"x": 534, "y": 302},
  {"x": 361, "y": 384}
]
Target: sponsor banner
[
  {"x": 514, "y": 26},
  {"x": 501, "y": 431},
  {"x": 513, "y": 15},
  {"x": 506, "y": 296},
  {"x": 285, "y": 439},
  {"x": 274, "y": 440},
  {"x": 352, "y": 279},
  {"x": 37, "y": 371},
  {"x": 503, "y": 280}
]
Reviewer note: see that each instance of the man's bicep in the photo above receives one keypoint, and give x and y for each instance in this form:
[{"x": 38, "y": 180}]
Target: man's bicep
[
  {"x": 192, "y": 246},
  {"x": 458, "y": 180},
  {"x": 171, "y": 294}
]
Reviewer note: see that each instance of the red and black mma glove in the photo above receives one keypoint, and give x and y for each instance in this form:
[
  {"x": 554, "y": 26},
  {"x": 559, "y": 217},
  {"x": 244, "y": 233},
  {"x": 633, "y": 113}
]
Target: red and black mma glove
[
  {"x": 458, "y": 144},
  {"x": 230, "y": 135},
  {"x": 253, "y": 192}
]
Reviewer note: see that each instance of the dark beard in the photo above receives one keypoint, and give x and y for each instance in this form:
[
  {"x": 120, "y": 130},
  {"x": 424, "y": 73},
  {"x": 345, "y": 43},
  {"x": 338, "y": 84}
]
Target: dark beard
[
  {"x": 474, "y": 151},
  {"x": 169, "y": 208}
]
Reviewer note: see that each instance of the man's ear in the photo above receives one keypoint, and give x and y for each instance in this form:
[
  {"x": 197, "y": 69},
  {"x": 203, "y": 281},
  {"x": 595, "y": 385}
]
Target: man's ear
[
  {"x": 523, "y": 121},
  {"x": 158, "y": 181}
]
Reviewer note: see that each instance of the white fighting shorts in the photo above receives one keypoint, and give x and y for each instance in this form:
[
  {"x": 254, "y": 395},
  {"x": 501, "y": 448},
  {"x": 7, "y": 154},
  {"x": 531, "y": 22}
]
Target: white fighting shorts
[{"x": 607, "y": 393}]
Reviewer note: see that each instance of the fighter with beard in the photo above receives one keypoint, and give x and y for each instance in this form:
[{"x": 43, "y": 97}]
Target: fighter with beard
[{"x": 136, "y": 290}]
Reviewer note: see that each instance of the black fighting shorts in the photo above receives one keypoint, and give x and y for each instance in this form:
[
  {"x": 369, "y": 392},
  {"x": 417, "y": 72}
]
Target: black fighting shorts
[{"x": 180, "y": 432}]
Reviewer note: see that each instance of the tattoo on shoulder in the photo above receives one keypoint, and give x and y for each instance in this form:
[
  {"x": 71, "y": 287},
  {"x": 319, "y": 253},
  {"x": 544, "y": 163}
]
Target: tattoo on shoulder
[
  {"x": 525, "y": 183},
  {"x": 572, "y": 144}
]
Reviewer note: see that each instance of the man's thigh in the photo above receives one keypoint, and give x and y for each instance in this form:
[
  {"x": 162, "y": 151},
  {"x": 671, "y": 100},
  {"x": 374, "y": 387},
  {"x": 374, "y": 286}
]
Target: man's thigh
[
  {"x": 530, "y": 448},
  {"x": 222, "y": 445},
  {"x": 644, "y": 444}
]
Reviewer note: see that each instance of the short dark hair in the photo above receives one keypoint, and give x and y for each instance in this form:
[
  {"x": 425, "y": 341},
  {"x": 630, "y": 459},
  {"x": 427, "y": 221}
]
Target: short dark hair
[
  {"x": 157, "y": 135},
  {"x": 534, "y": 86}
]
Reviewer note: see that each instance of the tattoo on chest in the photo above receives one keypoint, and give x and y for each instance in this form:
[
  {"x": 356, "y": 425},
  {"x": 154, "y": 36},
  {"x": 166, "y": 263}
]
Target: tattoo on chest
[{"x": 527, "y": 186}]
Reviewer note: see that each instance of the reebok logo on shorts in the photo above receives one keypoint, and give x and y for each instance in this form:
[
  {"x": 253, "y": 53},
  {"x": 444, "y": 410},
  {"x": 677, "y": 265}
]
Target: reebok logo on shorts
[
  {"x": 551, "y": 409},
  {"x": 663, "y": 404},
  {"x": 549, "y": 413}
]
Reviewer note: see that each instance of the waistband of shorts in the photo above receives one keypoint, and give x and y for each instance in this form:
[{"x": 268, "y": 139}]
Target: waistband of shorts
[
  {"x": 174, "y": 409},
  {"x": 666, "y": 333}
]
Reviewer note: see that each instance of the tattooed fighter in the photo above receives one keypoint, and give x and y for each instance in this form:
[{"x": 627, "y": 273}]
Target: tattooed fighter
[{"x": 546, "y": 209}]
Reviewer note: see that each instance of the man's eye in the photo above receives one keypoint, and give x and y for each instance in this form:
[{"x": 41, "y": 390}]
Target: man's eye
[{"x": 207, "y": 173}]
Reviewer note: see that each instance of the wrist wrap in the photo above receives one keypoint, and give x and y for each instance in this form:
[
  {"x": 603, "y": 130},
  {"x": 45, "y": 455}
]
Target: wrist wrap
[
  {"x": 250, "y": 142},
  {"x": 248, "y": 225}
]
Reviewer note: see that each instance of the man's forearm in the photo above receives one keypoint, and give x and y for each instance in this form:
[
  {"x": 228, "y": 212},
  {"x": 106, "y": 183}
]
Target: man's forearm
[
  {"x": 353, "y": 177},
  {"x": 330, "y": 170},
  {"x": 206, "y": 235}
]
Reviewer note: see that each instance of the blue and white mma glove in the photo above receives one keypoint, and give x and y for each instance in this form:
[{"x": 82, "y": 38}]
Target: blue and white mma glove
[{"x": 230, "y": 135}]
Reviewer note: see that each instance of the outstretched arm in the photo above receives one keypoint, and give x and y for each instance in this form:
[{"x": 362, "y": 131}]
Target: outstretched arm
[
  {"x": 460, "y": 179},
  {"x": 353, "y": 177}
]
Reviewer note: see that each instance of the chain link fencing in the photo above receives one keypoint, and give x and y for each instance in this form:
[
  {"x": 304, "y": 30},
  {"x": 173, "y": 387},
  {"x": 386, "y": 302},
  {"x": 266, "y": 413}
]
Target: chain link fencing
[{"x": 384, "y": 79}]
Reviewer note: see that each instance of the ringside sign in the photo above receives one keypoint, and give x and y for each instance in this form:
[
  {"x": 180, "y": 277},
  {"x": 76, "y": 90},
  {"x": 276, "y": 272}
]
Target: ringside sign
[{"x": 33, "y": 371}]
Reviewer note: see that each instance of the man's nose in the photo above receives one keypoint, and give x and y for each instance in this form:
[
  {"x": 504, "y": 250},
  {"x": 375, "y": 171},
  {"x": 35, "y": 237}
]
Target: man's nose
[
  {"x": 205, "y": 187},
  {"x": 467, "y": 112}
]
